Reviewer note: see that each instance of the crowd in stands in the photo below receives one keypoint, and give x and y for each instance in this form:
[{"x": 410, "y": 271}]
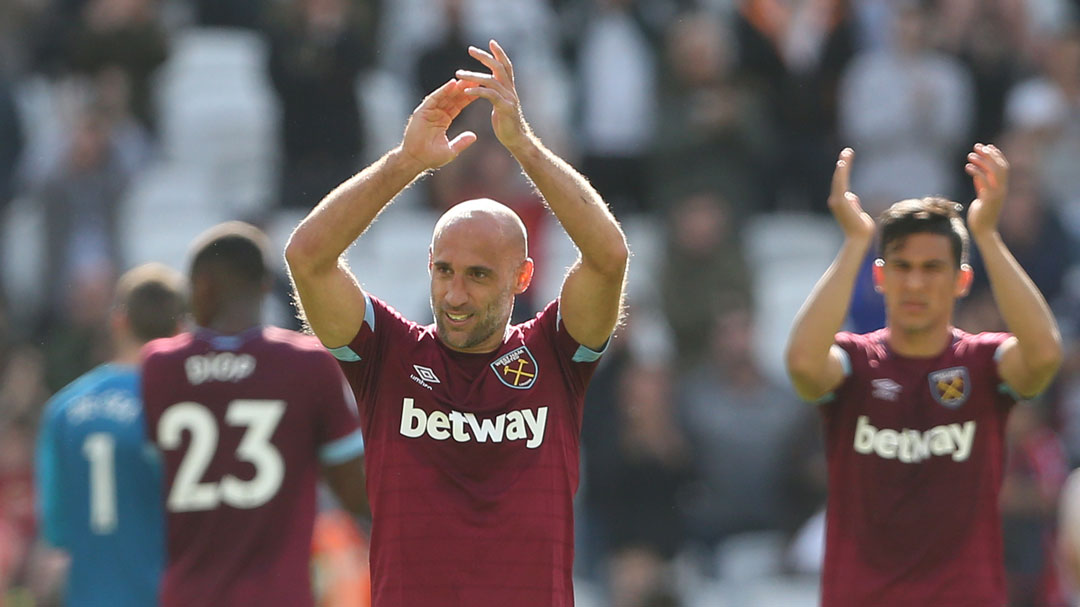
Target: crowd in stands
[{"x": 711, "y": 127}]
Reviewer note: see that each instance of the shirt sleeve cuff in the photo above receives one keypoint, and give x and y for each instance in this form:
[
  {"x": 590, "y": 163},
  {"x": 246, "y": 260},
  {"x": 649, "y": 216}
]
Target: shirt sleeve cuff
[
  {"x": 342, "y": 449},
  {"x": 346, "y": 353}
]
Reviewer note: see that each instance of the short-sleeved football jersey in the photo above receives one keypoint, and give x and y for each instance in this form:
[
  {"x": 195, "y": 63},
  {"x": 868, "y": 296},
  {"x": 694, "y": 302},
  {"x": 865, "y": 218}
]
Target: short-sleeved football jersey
[
  {"x": 242, "y": 422},
  {"x": 472, "y": 461},
  {"x": 99, "y": 490},
  {"x": 916, "y": 454}
]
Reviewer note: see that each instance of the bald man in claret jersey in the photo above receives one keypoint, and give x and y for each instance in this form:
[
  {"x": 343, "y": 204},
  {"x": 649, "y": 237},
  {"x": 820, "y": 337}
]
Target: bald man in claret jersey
[{"x": 471, "y": 424}]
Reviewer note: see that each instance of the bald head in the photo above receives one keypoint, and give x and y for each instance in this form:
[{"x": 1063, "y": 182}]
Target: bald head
[
  {"x": 489, "y": 217},
  {"x": 478, "y": 263}
]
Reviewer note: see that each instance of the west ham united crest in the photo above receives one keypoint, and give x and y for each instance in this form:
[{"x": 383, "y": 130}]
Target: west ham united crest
[
  {"x": 950, "y": 387},
  {"x": 516, "y": 369}
]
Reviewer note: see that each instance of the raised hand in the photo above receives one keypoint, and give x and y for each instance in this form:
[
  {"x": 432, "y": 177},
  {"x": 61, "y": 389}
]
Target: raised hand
[
  {"x": 498, "y": 87},
  {"x": 990, "y": 171},
  {"x": 844, "y": 204},
  {"x": 426, "y": 139}
]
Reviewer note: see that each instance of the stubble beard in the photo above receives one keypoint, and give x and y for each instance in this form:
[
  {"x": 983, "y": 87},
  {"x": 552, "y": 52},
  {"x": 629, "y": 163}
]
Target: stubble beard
[{"x": 489, "y": 322}]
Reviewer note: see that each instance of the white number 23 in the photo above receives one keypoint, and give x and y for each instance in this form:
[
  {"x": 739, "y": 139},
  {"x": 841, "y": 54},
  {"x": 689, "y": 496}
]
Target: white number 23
[{"x": 259, "y": 418}]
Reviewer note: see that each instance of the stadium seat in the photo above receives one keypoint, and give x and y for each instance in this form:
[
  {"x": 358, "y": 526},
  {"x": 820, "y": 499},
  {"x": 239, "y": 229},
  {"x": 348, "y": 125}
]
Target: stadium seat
[
  {"x": 218, "y": 113},
  {"x": 167, "y": 205}
]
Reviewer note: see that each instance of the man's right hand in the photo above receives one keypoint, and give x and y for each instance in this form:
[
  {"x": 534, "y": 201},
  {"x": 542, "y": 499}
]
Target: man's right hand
[
  {"x": 845, "y": 205},
  {"x": 425, "y": 141}
]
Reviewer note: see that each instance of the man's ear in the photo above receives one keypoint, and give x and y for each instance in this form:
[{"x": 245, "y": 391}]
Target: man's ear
[
  {"x": 524, "y": 276},
  {"x": 879, "y": 275},
  {"x": 964, "y": 280}
]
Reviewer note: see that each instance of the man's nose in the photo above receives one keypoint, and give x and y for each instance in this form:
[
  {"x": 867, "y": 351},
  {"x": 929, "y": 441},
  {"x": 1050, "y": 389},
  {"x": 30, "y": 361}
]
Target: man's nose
[{"x": 456, "y": 295}]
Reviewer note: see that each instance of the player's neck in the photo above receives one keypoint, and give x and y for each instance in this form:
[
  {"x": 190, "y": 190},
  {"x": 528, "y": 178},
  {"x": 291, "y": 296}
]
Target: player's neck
[
  {"x": 925, "y": 343},
  {"x": 235, "y": 319}
]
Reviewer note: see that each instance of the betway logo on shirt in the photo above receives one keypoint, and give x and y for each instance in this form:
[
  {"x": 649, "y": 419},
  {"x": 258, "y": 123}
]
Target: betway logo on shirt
[
  {"x": 913, "y": 446},
  {"x": 521, "y": 424}
]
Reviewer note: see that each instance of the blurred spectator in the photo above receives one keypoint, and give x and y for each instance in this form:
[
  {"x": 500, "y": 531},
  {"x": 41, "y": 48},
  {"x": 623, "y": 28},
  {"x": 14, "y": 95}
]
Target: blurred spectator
[
  {"x": 318, "y": 49},
  {"x": 441, "y": 56},
  {"x": 906, "y": 110},
  {"x": 11, "y": 145},
  {"x": 992, "y": 38},
  {"x": 613, "y": 51},
  {"x": 1034, "y": 476},
  {"x": 16, "y": 501},
  {"x": 1049, "y": 105},
  {"x": 77, "y": 337},
  {"x": 231, "y": 13},
  {"x": 714, "y": 132},
  {"x": 125, "y": 38},
  {"x": 640, "y": 491},
  {"x": 703, "y": 272},
  {"x": 1032, "y": 227},
  {"x": 81, "y": 198},
  {"x": 740, "y": 426},
  {"x": 11, "y": 138},
  {"x": 793, "y": 52}
]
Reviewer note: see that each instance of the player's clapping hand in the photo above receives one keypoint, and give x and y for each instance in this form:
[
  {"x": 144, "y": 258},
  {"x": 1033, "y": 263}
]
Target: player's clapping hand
[
  {"x": 844, "y": 204},
  {"x": 990, "y": 171},
  {"x": 426, "y": 139},
  {"x": 498, "y": 88}
]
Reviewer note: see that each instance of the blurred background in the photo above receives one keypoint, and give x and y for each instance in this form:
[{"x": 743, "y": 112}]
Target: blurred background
[{"x": 711, "y": 128}]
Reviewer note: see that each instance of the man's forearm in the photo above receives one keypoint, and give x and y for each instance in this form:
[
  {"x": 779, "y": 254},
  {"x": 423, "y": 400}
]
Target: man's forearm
[
  {"x": 346, "y": 212},
  {"x": 1022, "y": 306},
  {"x": 823, "y": 314},
  {"x": 576, "y": 204}
]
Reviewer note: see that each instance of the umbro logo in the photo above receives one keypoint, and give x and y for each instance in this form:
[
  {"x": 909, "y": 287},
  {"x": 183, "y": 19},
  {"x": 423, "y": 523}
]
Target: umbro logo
[
  {"x": 886, "y": 389},
  {"x": 425, "y": 376}
]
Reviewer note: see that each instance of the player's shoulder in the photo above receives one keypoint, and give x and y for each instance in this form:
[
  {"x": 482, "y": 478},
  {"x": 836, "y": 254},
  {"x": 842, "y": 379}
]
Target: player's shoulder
[
  {"x": 965, "y": 343},
  {"x": 96, "y": 380},
  {"x": 299, "y": 348},
  {"x": 167, "y": 346},
  {"x": 874, "y": 341},
  {"x": 287, "y": 339},
  {"x": 547, "y": 318}
]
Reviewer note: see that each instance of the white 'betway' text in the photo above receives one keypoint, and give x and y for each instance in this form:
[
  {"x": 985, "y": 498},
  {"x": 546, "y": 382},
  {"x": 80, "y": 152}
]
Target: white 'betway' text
[
  {"x": 522, "y": 424},
  {"x": 913, "y": 446}
]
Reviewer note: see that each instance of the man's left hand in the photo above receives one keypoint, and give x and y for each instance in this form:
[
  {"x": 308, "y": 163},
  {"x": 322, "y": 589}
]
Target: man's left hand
[
  {"x": 990, "y": 171},
  {"x": 498, "y": 87}
]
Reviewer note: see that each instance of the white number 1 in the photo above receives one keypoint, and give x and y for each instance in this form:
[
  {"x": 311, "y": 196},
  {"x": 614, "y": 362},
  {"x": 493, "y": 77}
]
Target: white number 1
[
  {"x": 100, "y": 448},
  {"x": 259, "y": 418}
]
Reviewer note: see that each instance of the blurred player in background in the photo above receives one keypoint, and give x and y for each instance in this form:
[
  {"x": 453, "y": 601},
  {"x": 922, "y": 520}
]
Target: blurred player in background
[
  {"x": 99, "y": 481},
  {"x": 914, "y": 414},
  {"x": 471, "y": 424},
  {"x": 244, "y": 415}
]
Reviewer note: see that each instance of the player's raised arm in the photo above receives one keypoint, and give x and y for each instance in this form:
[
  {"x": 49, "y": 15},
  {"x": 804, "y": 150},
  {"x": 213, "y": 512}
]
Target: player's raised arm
[
  {"x": 331, "y": 299},
  {"x": 813, "y": 362},
  {"x": 591, "y": 295},
  {"x": 1028, "y": 361}
]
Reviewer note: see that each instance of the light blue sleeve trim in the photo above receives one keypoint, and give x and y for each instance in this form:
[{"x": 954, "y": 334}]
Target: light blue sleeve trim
[
  {"x": 342, "y": 449},
  {"x": 345, "y": 353},
  {"x": 369, "y": 312},
  {"x": 1005, "y": 388},
  {"x": 586, "y": 354},
  {"x": 845, "y": 362}
]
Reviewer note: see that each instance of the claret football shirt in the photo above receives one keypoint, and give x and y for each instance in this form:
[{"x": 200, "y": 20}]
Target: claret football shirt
[
  {"x": 243, "y": 423},
  {"x": 916, "y": 455},
  {"x": 472, "y": 461}
]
